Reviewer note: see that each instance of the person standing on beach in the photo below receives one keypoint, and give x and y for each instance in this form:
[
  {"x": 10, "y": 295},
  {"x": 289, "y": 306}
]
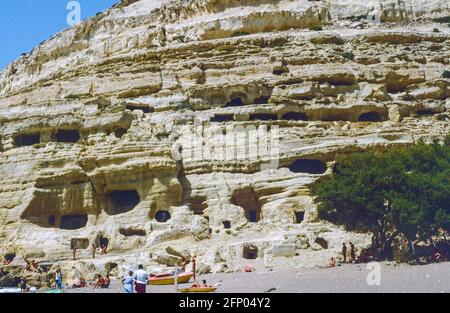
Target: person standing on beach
[
  {"x": 58, "y": 279},
  {"x": 352, "y": 252},
  {"x": 23, "y": 285},
  {"x": 193, "y": 266},
  {"x": 141, "y": 278},
  {"x": 128, "y": 282},
  {"x": 344, "y": 252},
  {"x": 93, "y": 250}
]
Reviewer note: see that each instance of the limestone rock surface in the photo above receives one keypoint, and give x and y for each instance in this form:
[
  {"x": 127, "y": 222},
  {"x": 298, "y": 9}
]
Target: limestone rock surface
[{"x": 115, "y": 131}]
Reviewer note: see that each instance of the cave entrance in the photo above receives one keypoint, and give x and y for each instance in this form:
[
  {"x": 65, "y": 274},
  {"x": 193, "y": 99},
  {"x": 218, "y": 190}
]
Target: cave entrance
[
  {"x": 162, "y": 216},
  {"x": 222, "y": 118},
  {"x": 67, "y": 135},
  {"x": 121, "y": 201},
  {"x": 27, "y": 139},
  {"x": 308, "y": 166},
  {"x": 71, "y": 222},
  {"x": 263, "y": 117},
  {"x": 370, "y": 117},
  {"x": 322, "y": 242},
  {"x": 9, "y": 257},
  {"x": 52, "y": 221},
  {"x": 129, "y": 232},
  {"x": 246, "y": 199},
  {"x": 79, "y": 243},
  {"x": 424, "y": 112},
  {"x": 250, "y": 252},
  {"x": 101, "y": 241},
  {"x": 294, "y": 116},
  {"x": 262, "y": 100},
  {"x": 226, "y": 224},
  {"x": 198, "y": 204},
  {"x": 143, "y": 108},
  {"x": 299, "y": 216},
  {"x": 120, "y": 132},
  {"x": 235, "y": 102}
]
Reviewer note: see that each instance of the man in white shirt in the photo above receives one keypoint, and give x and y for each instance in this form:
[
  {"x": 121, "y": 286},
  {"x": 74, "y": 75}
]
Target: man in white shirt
[{"x": 141, "y": 278}]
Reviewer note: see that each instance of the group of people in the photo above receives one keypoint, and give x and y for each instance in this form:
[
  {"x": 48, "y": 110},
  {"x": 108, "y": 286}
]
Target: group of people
[
  {"x": 352, "y": 252},
  {"x": 136, "y": 281},
  {"x": 102, "y": 282},
  {"x": 332, "y": 262},
  {"x": 103, "y": 250},
  {"x": 32, "y": 266}
]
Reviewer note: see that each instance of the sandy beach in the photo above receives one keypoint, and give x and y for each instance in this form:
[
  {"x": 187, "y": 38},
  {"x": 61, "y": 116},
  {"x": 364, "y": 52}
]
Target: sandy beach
[{"x": 431, "y": 278}]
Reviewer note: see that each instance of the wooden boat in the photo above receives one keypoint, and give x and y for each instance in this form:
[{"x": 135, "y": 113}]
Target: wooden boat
[
  {"x": 198, "y": 289},
  {"x": 169, "y": 279}
]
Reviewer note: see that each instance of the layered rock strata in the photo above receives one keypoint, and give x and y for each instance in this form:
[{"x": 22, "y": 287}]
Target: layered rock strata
[{"x": 134, "y": 128}]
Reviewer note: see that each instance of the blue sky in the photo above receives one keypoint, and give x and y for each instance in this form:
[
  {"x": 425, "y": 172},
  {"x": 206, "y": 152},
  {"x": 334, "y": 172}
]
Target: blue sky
[{"x": 26, "y": 23}]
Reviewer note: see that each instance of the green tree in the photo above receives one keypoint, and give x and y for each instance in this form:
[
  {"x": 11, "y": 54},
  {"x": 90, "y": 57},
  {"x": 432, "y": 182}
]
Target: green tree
[{"x": 404, "y": 192}]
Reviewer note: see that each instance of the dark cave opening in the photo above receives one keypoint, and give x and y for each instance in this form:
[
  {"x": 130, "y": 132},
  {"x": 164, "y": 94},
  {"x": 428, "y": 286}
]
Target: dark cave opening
[
  {"x": 121, "y": 201},
  {"x": 322, "y": 242},
  {"x": 143, "y": 108},
  {"x": 308, "y": 166},
  {"x": 226, "y": 224},
  {"x": 52, "y": 221},
  {"x": 9, "y": 257},
  {"x": 250, "y": 252},
  {"x": 162, "y": 216},
  {"x": 235, "y": 102},
  {"x": 370, "y": 117},
  {"x": 246, "y": 198},
  {"x": 129, "y": 232},
  {"x": 72, "y": 222},
  {"x": 424, "y": 112},
  {"x": 263, "y": 117},
  {"x": 294, "y": 116},
  {"x": 222, "y": 118},
  {"x": 102, "y": 241},
  {"x": 299, "y": 216},
  {"x": 67, "y": 135},
  {"x": 262, "y": 100},
  {"x": 79, "y": 243},
  {"x": 120, "y": 132},
  {"x": 23, "y": 140}
]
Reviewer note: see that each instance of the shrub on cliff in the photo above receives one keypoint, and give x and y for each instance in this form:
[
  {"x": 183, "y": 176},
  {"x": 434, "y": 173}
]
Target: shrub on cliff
[{"x": 400, "y": 193}]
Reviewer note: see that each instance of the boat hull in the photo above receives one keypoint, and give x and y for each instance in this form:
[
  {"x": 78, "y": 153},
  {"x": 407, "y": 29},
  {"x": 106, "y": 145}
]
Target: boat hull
[
  {"x": 199, "y": 289},
  {"x": 170, "y": 280}
]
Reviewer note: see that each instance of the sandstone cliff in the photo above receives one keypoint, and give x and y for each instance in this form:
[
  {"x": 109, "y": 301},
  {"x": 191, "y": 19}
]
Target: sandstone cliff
[{"x": 90, "y": 118}]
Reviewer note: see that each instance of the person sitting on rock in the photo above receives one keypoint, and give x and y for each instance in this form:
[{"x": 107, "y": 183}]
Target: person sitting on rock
[
  {"x": 29, "y": 266},
  {"x": 106, "y": 282},
  {"x": 104, "y": 249},
  {"x": 183, "y": 265},
  {"x": 100, "y": 282},
  {"x": 332, "y": 262},
  {"x": 35, "y": 266},
  {"x": 81, "y": 284}
]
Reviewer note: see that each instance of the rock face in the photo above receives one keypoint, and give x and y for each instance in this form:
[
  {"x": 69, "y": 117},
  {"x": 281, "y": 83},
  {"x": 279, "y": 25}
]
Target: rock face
[{"x": 199, "y": 124}]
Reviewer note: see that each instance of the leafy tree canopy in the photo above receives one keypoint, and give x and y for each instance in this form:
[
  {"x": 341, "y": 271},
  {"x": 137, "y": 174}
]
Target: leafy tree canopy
[{"x": 404, "y": 192}]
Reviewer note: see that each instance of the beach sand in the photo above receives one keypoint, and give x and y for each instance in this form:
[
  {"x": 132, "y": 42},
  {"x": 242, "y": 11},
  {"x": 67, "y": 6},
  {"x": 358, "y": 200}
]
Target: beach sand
[{"x": 345, "y": 278}]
